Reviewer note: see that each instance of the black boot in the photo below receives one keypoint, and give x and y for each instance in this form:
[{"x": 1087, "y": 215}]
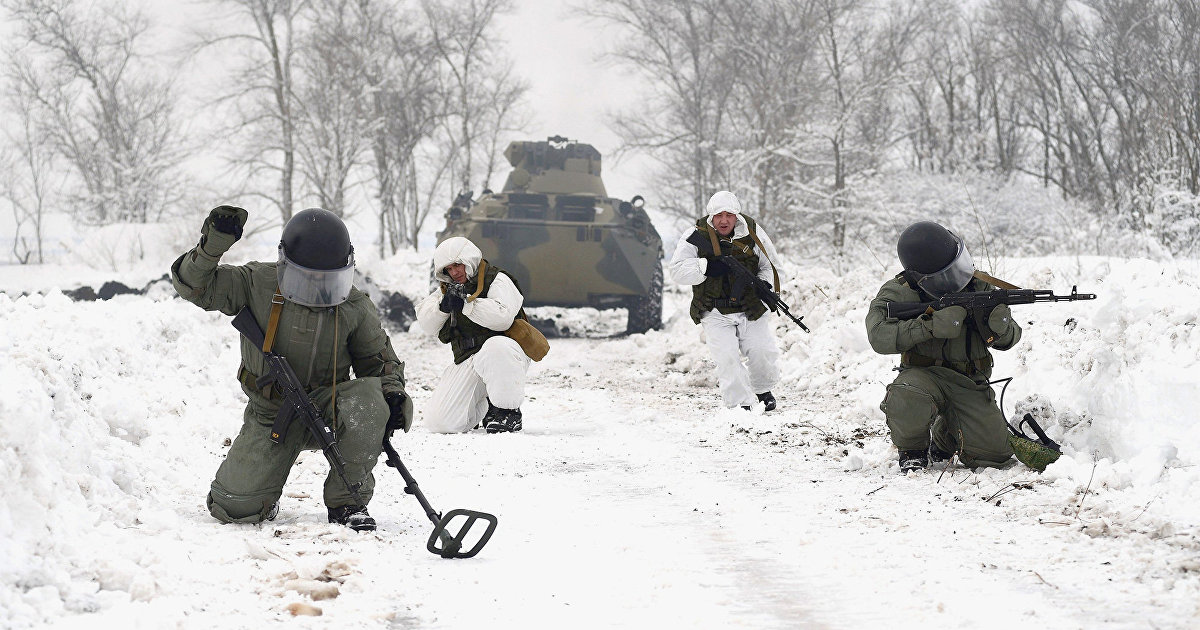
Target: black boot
[
  {"x": 913, "y": 460},
  {"x": 501, "y": 420},
  {"x": 352, "y": 516},
  {"x": 767, "y": 400}
]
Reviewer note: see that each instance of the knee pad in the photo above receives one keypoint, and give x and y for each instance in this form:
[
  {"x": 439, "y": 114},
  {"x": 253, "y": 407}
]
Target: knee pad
[
  {"x": 906, "y": 403},
  {"x": 910, "y": 412},
  {"x": 229, "y": 508}
]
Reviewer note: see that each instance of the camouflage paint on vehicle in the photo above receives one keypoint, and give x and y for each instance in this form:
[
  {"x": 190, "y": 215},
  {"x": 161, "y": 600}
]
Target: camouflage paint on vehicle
[{"x": 566, "y": 242}]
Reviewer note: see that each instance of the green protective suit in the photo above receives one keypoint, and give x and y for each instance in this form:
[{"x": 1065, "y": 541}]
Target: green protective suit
[
  {"x": 941, "y": 391},
  {"x": 322, "y": 345}
]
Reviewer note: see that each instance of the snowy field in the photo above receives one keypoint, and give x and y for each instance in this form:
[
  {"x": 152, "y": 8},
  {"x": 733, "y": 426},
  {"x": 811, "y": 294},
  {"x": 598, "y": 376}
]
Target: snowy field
[{"x": 631, "y": 500}]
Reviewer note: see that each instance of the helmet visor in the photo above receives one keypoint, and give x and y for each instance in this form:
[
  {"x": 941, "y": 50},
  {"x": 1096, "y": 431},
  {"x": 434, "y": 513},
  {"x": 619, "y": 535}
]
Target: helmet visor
[
  {"x": 954, "y": 277},
  {"x": 314, "y": 287}
]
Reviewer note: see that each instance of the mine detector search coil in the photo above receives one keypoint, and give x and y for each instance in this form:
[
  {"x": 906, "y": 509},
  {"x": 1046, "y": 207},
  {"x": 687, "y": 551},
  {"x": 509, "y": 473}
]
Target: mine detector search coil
[
  {"x": 296, "y": 403},
  {"x": 451, "y": 544},
  {"x": 1035, "y": 452}
]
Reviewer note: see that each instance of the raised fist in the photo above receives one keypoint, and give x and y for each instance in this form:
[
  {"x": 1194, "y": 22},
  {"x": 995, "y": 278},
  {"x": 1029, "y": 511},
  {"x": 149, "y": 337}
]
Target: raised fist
[{"x": 222, "y": 229}]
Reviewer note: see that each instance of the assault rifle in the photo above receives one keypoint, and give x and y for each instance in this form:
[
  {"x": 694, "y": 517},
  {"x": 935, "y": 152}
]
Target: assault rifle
[
  {"x": 765, "y": 291},
  {"x": 295, "y": 402},
  {"x": 981, "y": 303},
  {"x": 461, "y": 291}
]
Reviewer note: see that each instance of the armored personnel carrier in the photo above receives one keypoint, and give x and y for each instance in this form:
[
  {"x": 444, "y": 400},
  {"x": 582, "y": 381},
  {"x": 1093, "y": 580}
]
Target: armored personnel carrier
[{"x": 567, "y": 243}]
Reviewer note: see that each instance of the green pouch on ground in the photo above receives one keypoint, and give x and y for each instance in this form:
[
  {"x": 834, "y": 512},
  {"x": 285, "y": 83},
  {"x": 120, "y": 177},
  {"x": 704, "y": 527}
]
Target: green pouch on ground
[{"x": 1032, "y": 454}]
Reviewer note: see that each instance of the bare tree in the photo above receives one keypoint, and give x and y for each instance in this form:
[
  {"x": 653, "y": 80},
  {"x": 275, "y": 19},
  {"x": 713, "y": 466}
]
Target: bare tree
[
  {"x": 332, "y": 109},
  {"x": 96, "y": 101},
  {"x": 505, "y": 115},
  {"x": 866, "y": 56},
  {"x": 27, "y": 181},
  {"x": 266, "y": 87},
  {"x": 771, "y": 54},
  {"x": 405, "y": 107},
  {"x": 475, "y": 77},
  {"x": 678, "y": 47}
]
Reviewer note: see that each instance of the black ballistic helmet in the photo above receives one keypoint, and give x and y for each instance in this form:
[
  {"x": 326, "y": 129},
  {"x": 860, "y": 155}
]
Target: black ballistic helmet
[
  {"x": 926, "y": 247},
  {"x": 316, "y": 239},
  {"x": 934, "y": 258},
  {"x": 316, "y": 260}
]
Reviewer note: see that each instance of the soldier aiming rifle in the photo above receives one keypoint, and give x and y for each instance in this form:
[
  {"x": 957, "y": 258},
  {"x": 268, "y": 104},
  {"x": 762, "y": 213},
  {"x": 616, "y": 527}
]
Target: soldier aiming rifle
[{"x": 943, "y": 318}]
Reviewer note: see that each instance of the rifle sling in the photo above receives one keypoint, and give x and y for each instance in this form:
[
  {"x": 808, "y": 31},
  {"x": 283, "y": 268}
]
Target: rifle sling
[
  {"x": 269, "y": 337},
  {"x": 994, "y": 281},
  {"x": 774, "y": 271},
  {"x": 273, "y": 321}
]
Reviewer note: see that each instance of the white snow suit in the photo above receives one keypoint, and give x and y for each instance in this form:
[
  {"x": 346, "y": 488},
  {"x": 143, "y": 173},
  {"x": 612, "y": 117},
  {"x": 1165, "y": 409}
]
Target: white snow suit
[
  {"x": 733, "y": 337},
  {"x": 496, "y": 371}
]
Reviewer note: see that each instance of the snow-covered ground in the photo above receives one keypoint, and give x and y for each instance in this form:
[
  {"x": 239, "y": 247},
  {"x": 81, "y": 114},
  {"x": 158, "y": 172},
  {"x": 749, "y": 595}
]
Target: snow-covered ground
[{"x": 632, "y": 499}]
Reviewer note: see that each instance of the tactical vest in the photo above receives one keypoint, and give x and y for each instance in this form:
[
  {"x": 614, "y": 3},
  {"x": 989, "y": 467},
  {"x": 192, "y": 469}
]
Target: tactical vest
[
  {"x": 716, "y": 292},
  {"x": 465, "y": 336}
]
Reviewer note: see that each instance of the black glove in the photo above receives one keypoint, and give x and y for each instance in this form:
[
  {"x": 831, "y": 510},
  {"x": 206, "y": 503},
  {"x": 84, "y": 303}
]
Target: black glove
[
  {"x": 222, "y": 229},
  {"x": 228, "y": 224},
  {"x": 401, "y": 413},
  {"x": 716, "y": 268},
  {"x": 766, "y": 292},
  {"x": 451, "y": 302}
]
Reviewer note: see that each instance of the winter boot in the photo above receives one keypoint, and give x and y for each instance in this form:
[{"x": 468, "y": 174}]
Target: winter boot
[
  {"x": 352, "y": 516},
  {"x": 913, "y": 460},
  {"x": 938, "y": 455},
  {"x": 767, "y": 400},
  {"x": 500, "y": 420},
  {"x": 272, "y": 512}
]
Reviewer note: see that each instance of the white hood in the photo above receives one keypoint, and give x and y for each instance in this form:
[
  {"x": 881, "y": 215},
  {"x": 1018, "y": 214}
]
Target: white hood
[
  {"x": 725, "y": 201},
  {"x": 455, "y": 250}
]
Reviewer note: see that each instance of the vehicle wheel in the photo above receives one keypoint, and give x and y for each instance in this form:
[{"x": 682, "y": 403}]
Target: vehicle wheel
[{"x": 645, "y": 311}]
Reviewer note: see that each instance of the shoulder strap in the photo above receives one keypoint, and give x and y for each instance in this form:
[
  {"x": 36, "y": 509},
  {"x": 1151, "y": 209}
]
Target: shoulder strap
[
  {"x": 712, "y": 238},
  {"x": 273, "y": 321},
  {"x": 994, "y": 281},
  {"x": 754, "y": 235},
  {"x": 479, "y": 280}
]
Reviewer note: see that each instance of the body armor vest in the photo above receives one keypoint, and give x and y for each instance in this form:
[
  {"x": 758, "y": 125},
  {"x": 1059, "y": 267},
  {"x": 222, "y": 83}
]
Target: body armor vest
[
  {"x": 465, "y": 336},
  {"x": 726, "y": 293}
]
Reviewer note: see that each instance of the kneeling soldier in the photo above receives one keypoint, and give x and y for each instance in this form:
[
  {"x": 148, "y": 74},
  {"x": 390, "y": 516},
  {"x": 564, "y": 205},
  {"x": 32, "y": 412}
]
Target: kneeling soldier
[
  {"x": 324, "y": 327},
  {"x": 470, "y": 310},
  {"x": 941, "y": 402}
]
